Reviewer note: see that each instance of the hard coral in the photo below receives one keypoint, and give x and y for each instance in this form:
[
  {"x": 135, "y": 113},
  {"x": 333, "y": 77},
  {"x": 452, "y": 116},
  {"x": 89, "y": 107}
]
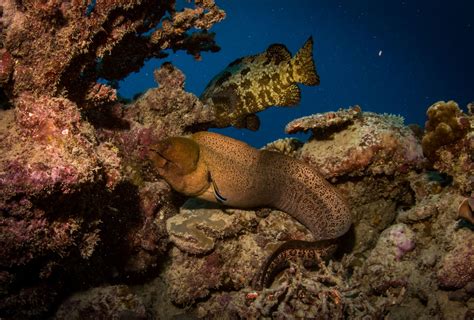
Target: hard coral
[
  {"x": 168, "y": 109},
  {"x": 445, "y": 125},
  {"x": 324, "y": 121},
  {"x": 81, "y": 42},
  {"x": 369, "y": 143},
  {"x": 449, "y": 143}
]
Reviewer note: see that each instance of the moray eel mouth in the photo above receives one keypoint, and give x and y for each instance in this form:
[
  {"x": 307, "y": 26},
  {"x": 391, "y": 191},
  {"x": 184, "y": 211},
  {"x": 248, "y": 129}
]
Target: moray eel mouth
[
  {"x": 176, "y": 154},
  {"x": 177, "y": 160}
]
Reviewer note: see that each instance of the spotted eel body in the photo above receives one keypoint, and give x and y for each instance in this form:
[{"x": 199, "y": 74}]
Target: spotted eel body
[{"x": 244, "y": 177}]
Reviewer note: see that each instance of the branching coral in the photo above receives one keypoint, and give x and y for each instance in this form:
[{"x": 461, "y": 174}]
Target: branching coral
[{"x": 79, "y": 43}]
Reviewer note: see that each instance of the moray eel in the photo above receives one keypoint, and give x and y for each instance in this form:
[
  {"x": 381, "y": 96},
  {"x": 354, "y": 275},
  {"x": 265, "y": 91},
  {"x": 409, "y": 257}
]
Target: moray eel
[
  {"x": 220, "y": 169},
  {"x": 254, "y": 83}
]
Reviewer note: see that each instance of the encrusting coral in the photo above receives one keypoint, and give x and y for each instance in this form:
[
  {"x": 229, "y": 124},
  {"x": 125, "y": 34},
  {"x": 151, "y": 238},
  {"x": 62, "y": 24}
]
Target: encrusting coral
[{"x": 324, "y": 121}]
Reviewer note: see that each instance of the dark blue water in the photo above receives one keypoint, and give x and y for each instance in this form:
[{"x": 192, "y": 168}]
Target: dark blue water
[{"x": 387, "y": 56}]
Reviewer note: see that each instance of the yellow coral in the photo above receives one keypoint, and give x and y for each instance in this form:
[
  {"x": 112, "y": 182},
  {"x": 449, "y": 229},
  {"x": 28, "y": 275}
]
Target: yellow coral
[{"x": 444, "y": 126}]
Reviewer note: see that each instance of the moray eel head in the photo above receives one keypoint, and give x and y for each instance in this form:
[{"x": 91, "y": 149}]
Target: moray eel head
[{"x": 177, "y": 160}]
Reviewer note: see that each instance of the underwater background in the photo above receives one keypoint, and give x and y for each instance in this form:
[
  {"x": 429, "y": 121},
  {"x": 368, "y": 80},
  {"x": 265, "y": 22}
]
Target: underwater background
[
  {"x": 116, "y": 208},
  {"x": 396, "y": 57}
]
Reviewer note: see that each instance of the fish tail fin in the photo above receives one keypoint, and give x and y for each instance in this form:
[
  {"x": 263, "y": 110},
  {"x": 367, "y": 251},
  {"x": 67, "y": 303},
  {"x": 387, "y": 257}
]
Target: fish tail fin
[{"x": 304, "y": 69}]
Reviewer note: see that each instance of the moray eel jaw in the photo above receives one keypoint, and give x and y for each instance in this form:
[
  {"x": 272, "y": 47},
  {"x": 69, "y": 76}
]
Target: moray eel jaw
[{"x": 177, "y": 160}]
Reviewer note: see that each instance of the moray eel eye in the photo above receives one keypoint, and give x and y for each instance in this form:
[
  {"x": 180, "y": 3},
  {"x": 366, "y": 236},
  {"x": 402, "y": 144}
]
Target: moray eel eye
[{"x": 176, "y": 155}]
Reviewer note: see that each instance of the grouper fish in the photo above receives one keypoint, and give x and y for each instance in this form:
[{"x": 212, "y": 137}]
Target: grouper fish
[{"x": 254, "y": 83}]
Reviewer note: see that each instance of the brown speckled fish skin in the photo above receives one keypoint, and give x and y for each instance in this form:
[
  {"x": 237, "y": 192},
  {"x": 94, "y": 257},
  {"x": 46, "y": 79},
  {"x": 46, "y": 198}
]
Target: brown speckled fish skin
[
  {"x": 252, "y": 84},
  {"x": 220, "y": 169}
]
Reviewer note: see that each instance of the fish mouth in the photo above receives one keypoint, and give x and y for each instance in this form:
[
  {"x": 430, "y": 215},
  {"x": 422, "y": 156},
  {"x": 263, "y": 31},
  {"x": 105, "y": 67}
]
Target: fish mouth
[{"x": 158, "y": 157}]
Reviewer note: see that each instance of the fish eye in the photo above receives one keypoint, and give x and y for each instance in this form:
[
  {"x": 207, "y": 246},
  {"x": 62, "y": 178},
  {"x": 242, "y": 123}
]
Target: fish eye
[{"x": 160, "y": 154}]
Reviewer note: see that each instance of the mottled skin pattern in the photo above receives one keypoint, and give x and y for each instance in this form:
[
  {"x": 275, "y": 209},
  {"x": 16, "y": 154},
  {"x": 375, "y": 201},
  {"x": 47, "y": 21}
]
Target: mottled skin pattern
[
  {"x": 251, "y": 84},
  {"x": 308, "y": 252},
  {"x": 221, "y": 169}
]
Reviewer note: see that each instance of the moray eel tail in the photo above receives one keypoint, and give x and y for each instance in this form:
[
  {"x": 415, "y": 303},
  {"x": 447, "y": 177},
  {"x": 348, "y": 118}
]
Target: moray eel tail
[{"x": 308, "y": 251}]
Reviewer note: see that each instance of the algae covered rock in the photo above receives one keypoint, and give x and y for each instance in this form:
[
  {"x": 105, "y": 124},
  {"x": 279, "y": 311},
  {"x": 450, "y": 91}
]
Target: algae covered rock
[
  {"x": 457, "y": 266},
  {"x": 367, "y": 144},
  {"x": 197, "y": 226},
  {"x": 109, "y": 302}
]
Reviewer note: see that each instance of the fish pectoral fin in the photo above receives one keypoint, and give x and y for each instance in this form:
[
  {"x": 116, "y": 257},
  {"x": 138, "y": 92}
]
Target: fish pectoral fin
[
  {"x": 250, "y": 122},
  {"x": 217, "y": 194},
  {"x": 290, "y": 96}
]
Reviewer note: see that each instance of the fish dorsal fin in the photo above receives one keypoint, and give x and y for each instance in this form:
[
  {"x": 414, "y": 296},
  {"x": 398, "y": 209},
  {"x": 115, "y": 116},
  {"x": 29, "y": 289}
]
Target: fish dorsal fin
[
  {"x": 289, "y": 97},
  {"x": 278, "y": 52}
]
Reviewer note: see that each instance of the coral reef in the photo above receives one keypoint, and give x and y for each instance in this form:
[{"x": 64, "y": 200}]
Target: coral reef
[
  {"x": 81, "y": 43},
  {"x": 408, "y": 255},
  {"x": 449, "y": 143},
  {"x": 398, "y": 260},
  {"x": 370, "y": 143},
  {"x": 81, "y": 209},
  {"x": 75, "y": 194},
  {"x": 324, "y": 121}
]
